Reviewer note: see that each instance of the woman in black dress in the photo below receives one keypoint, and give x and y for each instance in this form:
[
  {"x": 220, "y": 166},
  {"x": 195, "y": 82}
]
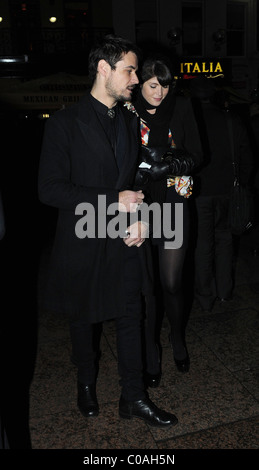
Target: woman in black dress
[{"x": 170, "y": 149}]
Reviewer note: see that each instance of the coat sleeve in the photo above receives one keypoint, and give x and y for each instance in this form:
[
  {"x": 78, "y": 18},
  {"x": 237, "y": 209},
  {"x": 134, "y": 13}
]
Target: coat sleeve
[{"x": 55, "y": 186}]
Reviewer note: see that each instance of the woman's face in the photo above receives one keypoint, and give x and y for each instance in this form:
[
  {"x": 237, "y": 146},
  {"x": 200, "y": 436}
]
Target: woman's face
[{"x": 153, "y": 92}]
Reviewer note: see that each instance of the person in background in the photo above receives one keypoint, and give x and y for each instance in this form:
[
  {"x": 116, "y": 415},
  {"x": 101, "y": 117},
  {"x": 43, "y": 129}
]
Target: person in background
[
  {"x": 214, "y": 246},
  {"x": 254, "y": 138},
  {"x": 171, "y": 148},
  {"x": 20, "y": 250},
  {"x": 90, "y": 150},
  {"x": 3, "y": 437}
]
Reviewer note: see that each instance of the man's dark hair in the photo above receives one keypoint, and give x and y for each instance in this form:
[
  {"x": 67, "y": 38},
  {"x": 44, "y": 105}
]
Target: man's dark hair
[
  {"x": 111, "y": 49},
  {"x": 156, "y": 67}
]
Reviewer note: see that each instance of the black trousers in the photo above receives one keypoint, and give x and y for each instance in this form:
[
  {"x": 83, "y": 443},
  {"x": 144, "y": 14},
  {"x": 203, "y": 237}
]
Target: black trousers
[
  {"x": 128, "y": 329},
  {"x": 214, "y": 251}
]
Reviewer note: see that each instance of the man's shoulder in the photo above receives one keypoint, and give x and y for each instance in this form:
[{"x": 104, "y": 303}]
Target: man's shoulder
[
  {"x": 75, "y": 107},
  {"x": 72, "y": 111}
]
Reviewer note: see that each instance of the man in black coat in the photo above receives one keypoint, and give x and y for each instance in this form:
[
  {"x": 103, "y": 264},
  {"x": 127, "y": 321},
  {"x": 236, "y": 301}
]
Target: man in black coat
[{"x": 88, "y": 162}]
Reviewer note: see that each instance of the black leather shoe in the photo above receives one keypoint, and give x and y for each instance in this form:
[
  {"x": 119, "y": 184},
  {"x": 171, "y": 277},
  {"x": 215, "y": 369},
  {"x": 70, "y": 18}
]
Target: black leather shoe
[
  {"x": 146, "y": 410},
  {"x": 87, "y": 400},
  {"x": 152, "y": 380},
  {"x": 183, "y": 365}
]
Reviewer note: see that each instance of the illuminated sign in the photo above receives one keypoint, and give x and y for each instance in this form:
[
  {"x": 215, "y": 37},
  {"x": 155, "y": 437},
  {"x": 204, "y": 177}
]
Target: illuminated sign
[
  {"x": 202, "y": 67},
  {"x": 211, "y": 68}
]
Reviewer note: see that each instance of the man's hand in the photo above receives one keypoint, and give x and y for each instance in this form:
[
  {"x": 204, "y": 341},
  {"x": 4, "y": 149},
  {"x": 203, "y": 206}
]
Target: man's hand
[
  {"x": 130, "y": 200},
  {"x": 137, "y": 233}
]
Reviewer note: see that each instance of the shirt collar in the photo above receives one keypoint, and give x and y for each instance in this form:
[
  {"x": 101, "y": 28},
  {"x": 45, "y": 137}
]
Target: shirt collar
[{"x": 100, "y": 107}]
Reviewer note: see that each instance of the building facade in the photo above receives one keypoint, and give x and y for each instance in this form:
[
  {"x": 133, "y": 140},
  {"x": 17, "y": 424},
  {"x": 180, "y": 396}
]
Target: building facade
[
  {"x": 205, "y": 36},
  {"x": 200, "y": 33}
]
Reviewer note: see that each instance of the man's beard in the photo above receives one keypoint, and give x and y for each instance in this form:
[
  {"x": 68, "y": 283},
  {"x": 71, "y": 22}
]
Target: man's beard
[{"x": 115, "y": 95}]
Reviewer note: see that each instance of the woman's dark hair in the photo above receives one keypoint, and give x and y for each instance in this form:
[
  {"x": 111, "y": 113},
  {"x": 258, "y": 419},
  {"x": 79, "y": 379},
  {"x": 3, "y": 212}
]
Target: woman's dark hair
[
  {"x": 111, "y": 49},
  {"x": 156, "y": 67}
]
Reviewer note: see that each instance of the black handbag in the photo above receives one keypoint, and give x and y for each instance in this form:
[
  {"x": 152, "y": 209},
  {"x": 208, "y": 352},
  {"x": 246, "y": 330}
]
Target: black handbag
[{"x": 241, "y": 204}]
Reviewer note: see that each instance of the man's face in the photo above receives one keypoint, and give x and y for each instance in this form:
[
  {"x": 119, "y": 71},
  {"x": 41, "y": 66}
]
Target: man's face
[{"x": 121, "y": 81}]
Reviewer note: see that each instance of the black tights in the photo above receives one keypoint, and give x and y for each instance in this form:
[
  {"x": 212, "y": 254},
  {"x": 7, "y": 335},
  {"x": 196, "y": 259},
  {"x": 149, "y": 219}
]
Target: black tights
[
  {"x": 171, "y": 267},
  {"x": 170, "y": 264}
]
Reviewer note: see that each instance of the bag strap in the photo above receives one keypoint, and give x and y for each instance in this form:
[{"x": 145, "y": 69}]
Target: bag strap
[{"x": 231, "y": 136}]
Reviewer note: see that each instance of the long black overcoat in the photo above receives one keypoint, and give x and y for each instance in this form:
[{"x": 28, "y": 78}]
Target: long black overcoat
[{"x": 77, "y": 165}]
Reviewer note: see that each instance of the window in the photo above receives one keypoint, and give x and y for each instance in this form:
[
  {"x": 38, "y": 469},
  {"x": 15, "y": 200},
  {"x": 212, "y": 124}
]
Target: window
[
  {"x": 192, "y": 27},
  {"x": 78, "y": 20},
  {"x": 257, "y": 26},
  {"x": 77, "y": 14},
  {"x": 146, "y": 14},
  {"x": 26, "y": 26},
  {"x": 236, "y": 21}
]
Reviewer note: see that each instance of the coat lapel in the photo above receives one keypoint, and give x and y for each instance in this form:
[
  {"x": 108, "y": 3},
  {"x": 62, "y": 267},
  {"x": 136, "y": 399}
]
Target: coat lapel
[
  {"x": 130, "y": 150},
  {"x": 94, "y": 134},
  {"x": 96, "y": 137}
]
